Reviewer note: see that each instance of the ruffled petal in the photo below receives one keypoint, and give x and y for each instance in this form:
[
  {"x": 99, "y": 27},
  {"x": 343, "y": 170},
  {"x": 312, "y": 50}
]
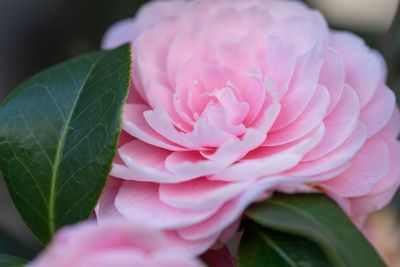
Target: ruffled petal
[
  {"x": 234, "y": 208},
  {"x": 332, "y": 76},
  {"x": 266, "y": 161},
  {"x": 233, "y": 150},
  {"x": 193, "y": 164},
  {"x": 355, "y": 53},
  {"x": 334, "y": 159},
  {"x": 340, "y": 124},
  {"x": 302, "y": 86},
  {"x": 135, "y": 124},
  {"x": 201, "y": 193},
  {"x": 369, "y": 165},
  {"x": 144, "y": 162},
  {"x": 120, "y": 33},
  {"x": 379, "y": 110},
  {"x": 310, "y": 119},
  {"x": 140, "y": 203}
]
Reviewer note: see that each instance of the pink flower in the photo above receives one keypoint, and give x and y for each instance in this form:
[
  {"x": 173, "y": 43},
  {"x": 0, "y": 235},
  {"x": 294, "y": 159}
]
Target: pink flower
[
  {"x": 112, "y": 244},
  {"x": 234, "y": 99}
]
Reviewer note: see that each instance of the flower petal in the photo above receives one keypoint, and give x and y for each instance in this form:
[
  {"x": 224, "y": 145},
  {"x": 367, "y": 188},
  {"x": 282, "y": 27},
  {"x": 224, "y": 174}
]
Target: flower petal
[
  {"x": 266, "y": 161},
  {"x": 302, "y": 86},
  {"x": 145, "y": 163},
  {"x": 310, "y": 119},
  {"x": 139, "y": 202},
  {"x": 369, "y": 165},
  {"x": 234, "y": 208},
  {"x": 334, "y": 159},
  {"x": 134, "y": 123},
  {"x": 379, "y": 110},
  {"x": 200, "y": 193},
  {"x": 340, "y": 124}
]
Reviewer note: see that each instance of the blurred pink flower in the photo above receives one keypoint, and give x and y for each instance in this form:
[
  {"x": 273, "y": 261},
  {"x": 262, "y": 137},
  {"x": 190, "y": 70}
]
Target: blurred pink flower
[
  {"x": 112, "y": 244},
  {"x": 234, "y": 99}
]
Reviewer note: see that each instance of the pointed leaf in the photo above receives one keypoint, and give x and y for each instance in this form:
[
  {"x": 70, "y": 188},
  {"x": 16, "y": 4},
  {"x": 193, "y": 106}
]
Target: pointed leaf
[
  {"x": 58, "y": 134},
  {"x": 260, "y": 246},
  {"x": 319, "y": 219}
]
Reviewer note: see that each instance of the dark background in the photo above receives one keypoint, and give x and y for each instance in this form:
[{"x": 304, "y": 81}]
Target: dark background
[{"x": 35, "y": 34}]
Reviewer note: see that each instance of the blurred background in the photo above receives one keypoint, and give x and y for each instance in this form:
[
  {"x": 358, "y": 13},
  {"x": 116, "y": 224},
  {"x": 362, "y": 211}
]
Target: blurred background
[{"x": 37, "y": 34}]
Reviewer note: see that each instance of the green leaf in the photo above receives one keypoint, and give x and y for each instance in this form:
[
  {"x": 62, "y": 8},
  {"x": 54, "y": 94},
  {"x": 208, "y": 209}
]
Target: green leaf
[
  {"x": 319, "y": 219},
  {"x": 58, "y": 134},
  {"x": 264, "y": 247},
  {"x": 11, "y": 261}
]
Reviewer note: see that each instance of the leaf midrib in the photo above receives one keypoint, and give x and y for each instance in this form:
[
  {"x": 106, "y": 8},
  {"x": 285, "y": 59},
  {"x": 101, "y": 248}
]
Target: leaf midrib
[
  {"x": 60, "y": 148},
  {"x": 326, "y": 239},
  {"x": 277, "y": 248}
]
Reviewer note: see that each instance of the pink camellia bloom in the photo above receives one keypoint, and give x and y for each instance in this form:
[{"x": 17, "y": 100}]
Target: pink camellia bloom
[
  {"x": 112, "y": 244},
  {"x": 234, "y": 99}
]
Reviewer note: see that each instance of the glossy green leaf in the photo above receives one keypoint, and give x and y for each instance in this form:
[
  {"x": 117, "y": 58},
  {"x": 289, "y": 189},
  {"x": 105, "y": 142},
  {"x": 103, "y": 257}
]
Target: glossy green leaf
[
  {"x": 58, "y": 134},
  {"x": 11, "y": 261},
  {"x": 260, "y": 247},
  {"x": 319, "y": 219}
]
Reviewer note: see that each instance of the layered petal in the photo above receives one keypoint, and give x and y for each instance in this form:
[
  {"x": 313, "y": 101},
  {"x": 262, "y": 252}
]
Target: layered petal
[{"x": 233, "y": 100}]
